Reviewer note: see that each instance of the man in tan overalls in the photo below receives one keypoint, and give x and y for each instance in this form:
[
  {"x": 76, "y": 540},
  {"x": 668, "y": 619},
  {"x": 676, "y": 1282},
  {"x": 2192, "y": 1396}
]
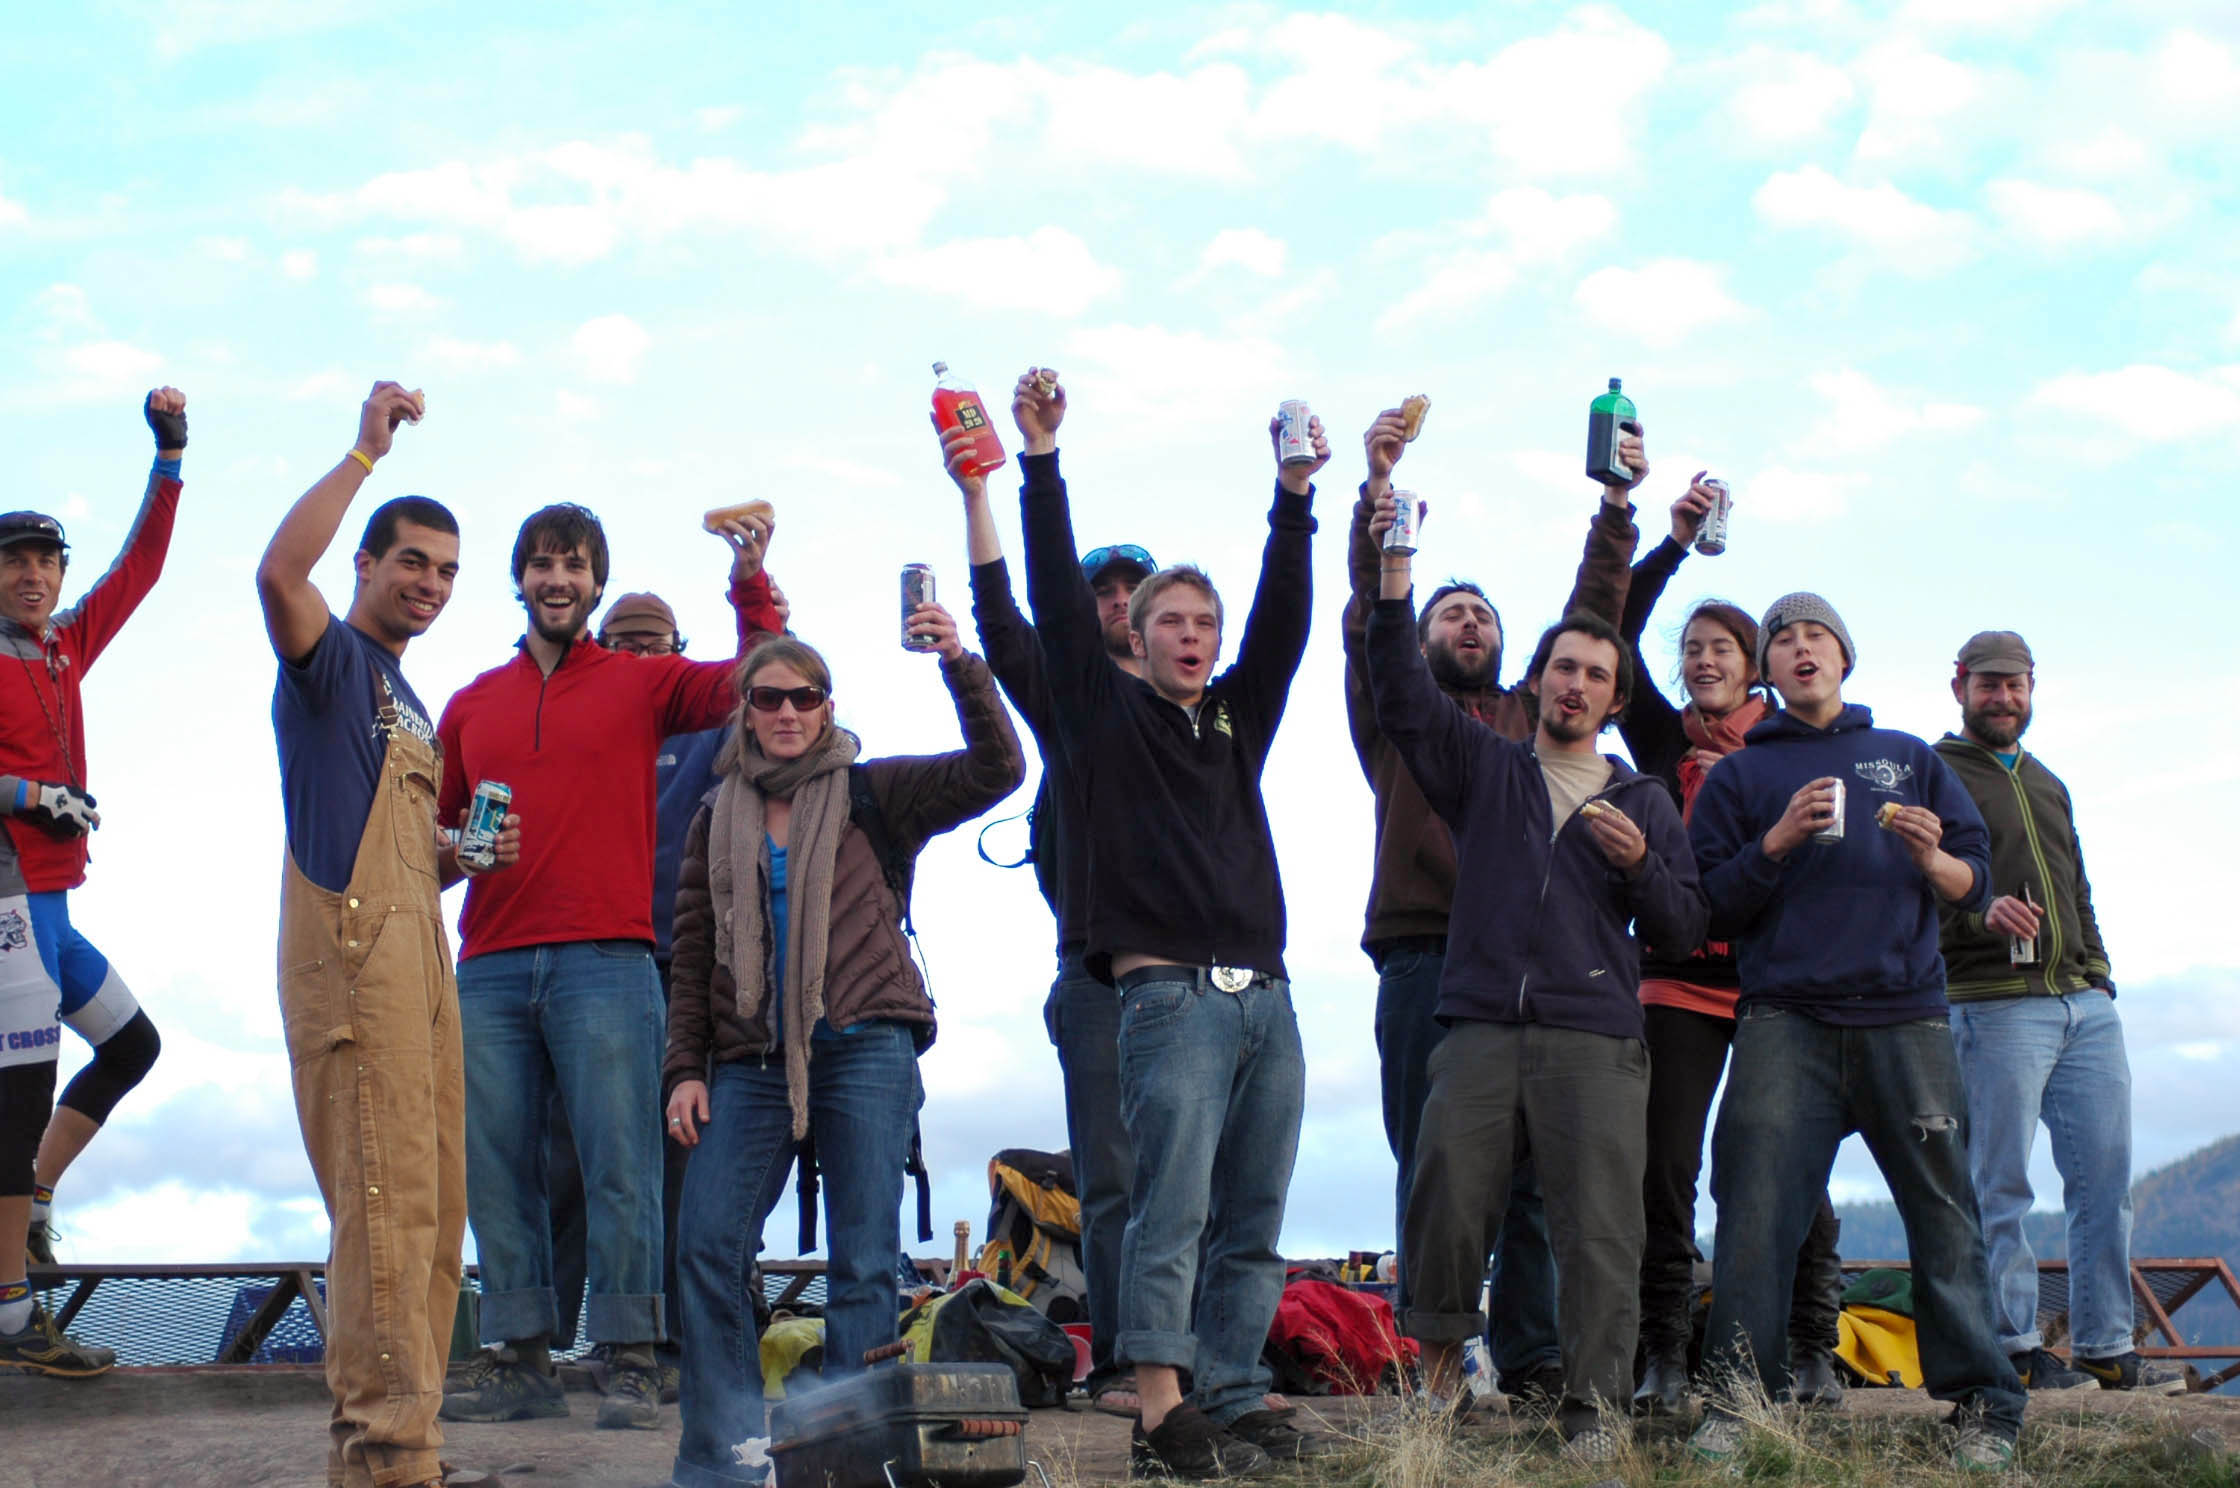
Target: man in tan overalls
[{"x": 366, "y": 987}]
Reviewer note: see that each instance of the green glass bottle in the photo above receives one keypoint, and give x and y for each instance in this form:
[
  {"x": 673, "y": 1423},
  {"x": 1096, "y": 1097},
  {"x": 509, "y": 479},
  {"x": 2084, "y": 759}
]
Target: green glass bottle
[{"x": 1608, "y": 417}]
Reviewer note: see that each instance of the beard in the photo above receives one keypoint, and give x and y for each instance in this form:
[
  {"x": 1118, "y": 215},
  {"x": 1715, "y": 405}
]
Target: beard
[
  {"x": 1451, "y": 672},
  {"x": 1570, "y": 731},
  {"x": 1116, "y": 640},
  {"x": 2001, "y": 731},
  {"x": 567, "y": 632}
]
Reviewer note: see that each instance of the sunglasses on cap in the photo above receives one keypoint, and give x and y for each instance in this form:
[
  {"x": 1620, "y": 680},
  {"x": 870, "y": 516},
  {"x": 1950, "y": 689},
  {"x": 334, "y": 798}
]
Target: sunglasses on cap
[
  {"x": 771, "y": 699},
  {"x": 1097, "y": 559}
]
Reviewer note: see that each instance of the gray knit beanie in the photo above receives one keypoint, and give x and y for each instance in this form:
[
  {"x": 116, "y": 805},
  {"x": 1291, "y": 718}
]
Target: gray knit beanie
[{"x": 1803, "y": 605}]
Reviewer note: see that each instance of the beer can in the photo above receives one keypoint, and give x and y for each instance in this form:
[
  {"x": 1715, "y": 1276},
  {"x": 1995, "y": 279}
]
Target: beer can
[
  {"x": 917, "y": 589},
  {"x": 1400, "y": 537},
  {"x": 1294, "y": 437},
  {"x": 2022, "y": 950},
  {"x": 1833, "y": 831},
  {"x": 486, "y": 817},
  {"x": 1711, "y": 537}
]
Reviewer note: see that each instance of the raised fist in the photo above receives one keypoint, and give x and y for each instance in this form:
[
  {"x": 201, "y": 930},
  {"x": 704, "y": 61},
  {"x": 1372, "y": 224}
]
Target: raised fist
[
  {"x": 388, "y": 405},
  {"x": 166, "y": 412}
]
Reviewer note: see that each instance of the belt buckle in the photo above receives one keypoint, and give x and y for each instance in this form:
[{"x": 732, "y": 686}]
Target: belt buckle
[{"x": 1232, "y": 978}]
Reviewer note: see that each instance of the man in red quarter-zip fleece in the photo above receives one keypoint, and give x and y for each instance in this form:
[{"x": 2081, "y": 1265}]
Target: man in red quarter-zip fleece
[{"x": 556, "y": 975}]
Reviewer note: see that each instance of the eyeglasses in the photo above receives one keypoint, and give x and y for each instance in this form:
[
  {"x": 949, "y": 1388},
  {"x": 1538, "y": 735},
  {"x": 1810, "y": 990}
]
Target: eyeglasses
[
  {"x": 1098, "y": 558},
  {"x": 771, "y": 699},
  {"x": 638, "y": 643}
]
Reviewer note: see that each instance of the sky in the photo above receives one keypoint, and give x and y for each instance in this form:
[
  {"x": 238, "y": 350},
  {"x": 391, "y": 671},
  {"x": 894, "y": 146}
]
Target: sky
[{"x": 1947, "y": 290}]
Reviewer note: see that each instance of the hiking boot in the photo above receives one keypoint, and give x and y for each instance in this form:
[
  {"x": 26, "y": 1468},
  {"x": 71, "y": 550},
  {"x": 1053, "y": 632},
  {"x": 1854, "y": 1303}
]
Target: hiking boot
[
  {"x": 632, "y": 1397},
  {"x": 498, "y": 1387},
  {"x": 2127, "y": 1371},
  {"x": 1595, "y": 1445},
  {"x": 1273, "y": 1433},
  {"x": 1188, "y": 1445},
  {"x": 1815, "y": 1382},
  {"x": 668, "y": 1367},
  {"x": 1537, "y": 1394},
  {"x": 1663, "y": 1390},
  {"x": 2040, "y": 1370},
  {"x": 41, "y": 1348},
  {"x": 1718, "y": 1439},
  {"x": 39, "y": 1243},
  {"x": 1980, "y": 1449}
]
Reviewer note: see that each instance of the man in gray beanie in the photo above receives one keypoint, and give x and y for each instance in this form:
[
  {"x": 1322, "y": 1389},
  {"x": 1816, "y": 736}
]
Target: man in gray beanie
[{"x": 1828, "y": 847}]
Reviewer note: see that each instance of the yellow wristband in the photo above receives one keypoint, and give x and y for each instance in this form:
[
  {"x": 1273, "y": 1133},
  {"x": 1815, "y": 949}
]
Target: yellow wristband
[{"x": 362, "y": 458}]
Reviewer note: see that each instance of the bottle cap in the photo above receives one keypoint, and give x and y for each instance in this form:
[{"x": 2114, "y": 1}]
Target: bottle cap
[
  {"x": 939, "y": 368},
  {"x": 1614, "y": 383}
]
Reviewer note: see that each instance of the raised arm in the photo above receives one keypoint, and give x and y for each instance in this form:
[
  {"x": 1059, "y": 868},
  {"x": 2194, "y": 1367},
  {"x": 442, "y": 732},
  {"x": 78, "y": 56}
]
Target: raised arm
[
  {"x": 1383, "y": 445},
  {"x": 295, "y": 613},
  {"x": 1275, "y": 631},
  {"x": 1081, "y": 677},
  {"x": 109, "y": 601},
  {"x": 1431, "y": 733},
  {"x": 925, "y": 795},
  {"x": 1605, "y": 572},
  {"x": 1006, "y": 635},
  {"x": 695, "y": 695}
]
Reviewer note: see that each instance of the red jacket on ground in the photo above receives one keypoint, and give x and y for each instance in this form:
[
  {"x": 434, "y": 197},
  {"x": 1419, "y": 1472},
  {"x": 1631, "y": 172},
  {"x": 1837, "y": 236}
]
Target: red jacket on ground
[
  {"x": 39, "y": 678},
  {"x": 578, "y": 748}
]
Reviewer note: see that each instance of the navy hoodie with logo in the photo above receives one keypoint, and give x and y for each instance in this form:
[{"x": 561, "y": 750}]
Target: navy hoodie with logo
[
  {"x": 1539, "y": 928},
  {"x": 1844, "y": 931}
]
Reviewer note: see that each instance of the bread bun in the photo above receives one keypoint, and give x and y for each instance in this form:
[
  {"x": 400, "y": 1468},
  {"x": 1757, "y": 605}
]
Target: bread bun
[
  {"x": 1887, "y": 813},
  {"x": 1412, "y": 409},
  {"x": 1592, "y": 809},
  {"x": 714, "y": 520}
]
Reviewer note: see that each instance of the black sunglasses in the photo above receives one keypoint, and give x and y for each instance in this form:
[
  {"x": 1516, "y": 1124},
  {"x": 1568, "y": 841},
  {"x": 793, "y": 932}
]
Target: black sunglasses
[
  {"x": 771, "y": 699},
  {"x": 1098, "y": 558}
]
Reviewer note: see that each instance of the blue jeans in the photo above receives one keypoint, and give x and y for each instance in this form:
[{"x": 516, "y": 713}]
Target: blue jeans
[
  {"x": 1211, "y": 1088},
  {"x": 585, "y": 1016},
  {"x": 863, "y": 1092},
  {"x": 1796, "y": 1087},
  {"x": 2059, "y": 1060},
  {"x": 1083, "y": 1016},
  {"x": 1521, "y": 1329}
]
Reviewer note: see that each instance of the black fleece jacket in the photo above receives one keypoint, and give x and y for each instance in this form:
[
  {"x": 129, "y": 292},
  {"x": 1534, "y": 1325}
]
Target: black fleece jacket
[{"x": 1181, "y": 862}]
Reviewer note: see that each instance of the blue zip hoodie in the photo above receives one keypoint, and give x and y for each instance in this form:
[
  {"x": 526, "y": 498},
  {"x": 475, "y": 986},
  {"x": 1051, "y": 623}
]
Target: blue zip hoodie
[
  {"x": 1844, "y": 931},
  {"x": 1539, "y": 928}
]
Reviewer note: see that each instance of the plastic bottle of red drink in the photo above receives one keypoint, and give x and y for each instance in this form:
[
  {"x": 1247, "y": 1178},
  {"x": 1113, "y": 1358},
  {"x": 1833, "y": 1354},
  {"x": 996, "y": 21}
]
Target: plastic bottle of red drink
[{"x": 957, "y": 406}]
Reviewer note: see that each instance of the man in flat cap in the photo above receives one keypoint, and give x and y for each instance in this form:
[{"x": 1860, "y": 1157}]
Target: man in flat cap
[{"x": 2034, "y": 1022}]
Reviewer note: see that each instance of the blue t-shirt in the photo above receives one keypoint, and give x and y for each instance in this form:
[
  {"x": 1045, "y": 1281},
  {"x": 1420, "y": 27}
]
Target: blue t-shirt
[
  {"x": 778, "y": 913},
  {"x": 333, "y": 714}
]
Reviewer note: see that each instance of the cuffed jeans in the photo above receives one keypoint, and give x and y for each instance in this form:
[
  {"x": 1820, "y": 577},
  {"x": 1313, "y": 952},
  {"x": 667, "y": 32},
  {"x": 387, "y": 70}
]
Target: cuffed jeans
[
  {"x": 1576, "y": 1102},
  {"x": 585, "y": 1016},
  {"x": 1083, "y": 1016},
  {"x": 863, "y": 1092},
  {"x": 2059, "y": 1060},
  {"x": 1211, "y": 1088},
  {"x": 1796, "y": 1088},
  {"x": 1521, "y": 1333},
  {"x": 1687, "y": 1054}
]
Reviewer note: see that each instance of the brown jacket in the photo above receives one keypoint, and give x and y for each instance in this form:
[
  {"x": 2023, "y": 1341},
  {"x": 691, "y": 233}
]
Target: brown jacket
[
  {"x": 1412, "y": 887},
  {"x": 869, "y": 975}
]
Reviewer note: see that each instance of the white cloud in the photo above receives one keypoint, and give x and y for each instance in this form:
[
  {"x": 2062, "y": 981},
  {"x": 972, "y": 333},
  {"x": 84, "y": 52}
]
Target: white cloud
[
  {"x": 333, "y": 383},
  {"x": 456, "y": 355},
  {"x": 1977, "y": 15},
  {"x": 64, "y": 307},
  {"x": 1782, "y": 494},
  {"x": 1916, "y": 101},
  {"x": 12, "y": 212},
  {"x": 1662, "y": 302},
  {"x": 610, "y": 349},
  {"x": 1460, "y": 281},
  {"x": 1049, "y": 270},
  {"x": 1247, "y": 248},
  {"x": 299, "y": 263},
  {"x": 713, "y": 120},
  {"x": 1910, "y": 236},
  {"x": 1861, "y": 416},
  {"x": 400, "y": 299},
  {"x": 1532, "y": 228},
  {"x": 2055, "y": 216},
  {"x": 100, "y": 368},
  {"x": 225, "y": 250},
  {"x": 2152, "y": 403},
  {"x": 1781, "y": 97},
  {"x": 414, "y": 247}
]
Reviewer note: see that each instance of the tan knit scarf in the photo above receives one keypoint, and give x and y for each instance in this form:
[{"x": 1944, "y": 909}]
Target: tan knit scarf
[{"x": 817, "y": 783}]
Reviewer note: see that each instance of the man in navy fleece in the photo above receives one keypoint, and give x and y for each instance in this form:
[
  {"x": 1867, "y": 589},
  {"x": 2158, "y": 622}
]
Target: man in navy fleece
[{"x": 1843, "y": 1026}]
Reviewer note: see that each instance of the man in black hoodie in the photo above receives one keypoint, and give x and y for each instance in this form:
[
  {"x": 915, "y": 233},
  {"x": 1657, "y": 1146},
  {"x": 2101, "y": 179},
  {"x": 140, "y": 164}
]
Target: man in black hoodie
[
  {"x": 1559, "y": 849},
  {"x": 1186, "y": 918}
]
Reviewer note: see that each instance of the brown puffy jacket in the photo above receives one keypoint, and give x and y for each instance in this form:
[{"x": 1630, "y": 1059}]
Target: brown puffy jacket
[{"x": 869, "y": 975}]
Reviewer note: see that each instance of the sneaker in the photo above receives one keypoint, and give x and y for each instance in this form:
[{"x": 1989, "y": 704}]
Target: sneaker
[
  {"x": 1537, "y": 1394},
  {"x": 41, "y": 1348},
  {"x": 1718, "y": 1439},
  {"x": 1595, "y": 1445},
  {"x": 1980, "y": 1449},
  {"x": 1273, "y": 1433},
  {"x": 632, "y": 1397},
  {"x": 2041, "y": 1370},
  {"x": 497, "y": 1387},
  {"x": 1664, "y": 1388},
  {"x": 1815, "y": 1382},
  {"x": 39, "y": 1244},
  {"x": 1188, "y": 1445},
  {"x": 2127, "y": 1371}
]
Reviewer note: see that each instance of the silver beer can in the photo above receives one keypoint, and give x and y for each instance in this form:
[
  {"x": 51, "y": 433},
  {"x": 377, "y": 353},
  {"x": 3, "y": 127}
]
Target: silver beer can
[
  {"x": 917, "y": 589},
  {"x": 1833, "y": 831},
  {"x": 486, "y": 818},
  {"x": 1711, "y": 538},
  {"x": 1294, "y": 436},
  {"x": 1400, "y": 537},
  {"x": 2022, "y": 950}
]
